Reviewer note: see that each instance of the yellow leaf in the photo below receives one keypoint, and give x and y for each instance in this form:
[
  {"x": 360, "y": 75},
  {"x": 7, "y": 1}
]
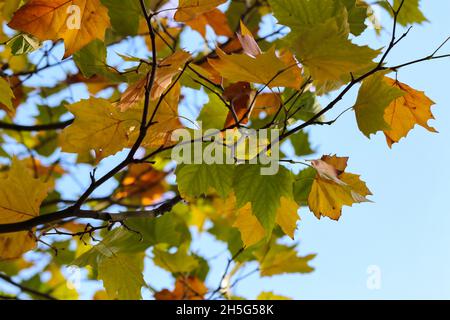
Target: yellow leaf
[
  {"x": 330, "y": 193},
  {"x": 267, "y": 295},
  {"x": 189, "y": 9},
  {"x": 20, "y": 198},
  {"x": 6, "y": 97},
  {"x": 77, "y": 22},
  {"x": 99, "y": 126},
  {"x": 287, "y": 216},
  {"x": 265, "y": 68},
  {"x": 278, "y": 259},
  {"x": 166, "y": 119},
  {"x": 251, "y": 230},
  {"x": 414, "y": 107}
]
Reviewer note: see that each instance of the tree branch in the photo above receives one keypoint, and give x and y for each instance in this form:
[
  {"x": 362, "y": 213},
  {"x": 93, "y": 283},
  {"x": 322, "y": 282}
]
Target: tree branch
[
  {"x": 38, "y": 127},
  {"x": 73, "y": 212}
]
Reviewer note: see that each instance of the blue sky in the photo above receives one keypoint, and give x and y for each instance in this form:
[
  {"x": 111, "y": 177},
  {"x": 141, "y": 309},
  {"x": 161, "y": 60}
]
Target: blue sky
[{"x": 404, "y": 232}]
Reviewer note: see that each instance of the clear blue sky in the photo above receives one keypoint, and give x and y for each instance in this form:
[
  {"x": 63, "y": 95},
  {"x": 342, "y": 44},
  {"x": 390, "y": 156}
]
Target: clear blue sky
[{"x": 406, "y": 232}]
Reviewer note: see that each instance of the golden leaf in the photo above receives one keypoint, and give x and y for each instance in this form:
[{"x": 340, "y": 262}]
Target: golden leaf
[
  {"x": 20, "y": 198},
  {"x": 332, "y": 189},
  {"x": 414, "y": 107}
]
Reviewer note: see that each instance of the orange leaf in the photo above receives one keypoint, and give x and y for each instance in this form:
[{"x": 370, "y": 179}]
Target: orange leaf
[
  {"x": 186, "y": 288},
  {"x": 77, "y": 22},
  {"x": 405, "y": 112}
]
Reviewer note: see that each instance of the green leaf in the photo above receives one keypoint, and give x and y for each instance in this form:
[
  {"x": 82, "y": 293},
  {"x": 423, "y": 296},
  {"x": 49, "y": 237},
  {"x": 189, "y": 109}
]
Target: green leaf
[
  {"x": 410, "y": 12},
  {"x": 213, "y": 114},
  {"x": 124, "y": 16},
  {"x": 374, "y": 97},
  {"x": 178, "y": 262},
  {"x": 263, "y": 192},
  {"x": 122, "y": 275},
  {"x": 303, "y": 184},
  {"x": 195, "y": 180},
  {"x": 330, "y": 56},
  {"x": 301, "y": 144},
  {"x": 357, "y": 14},
  {"x": 91, "y": 60},
  {"x": 305, "y": 13}
]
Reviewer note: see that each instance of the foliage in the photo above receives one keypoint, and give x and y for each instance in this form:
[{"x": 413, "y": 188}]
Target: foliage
[{"x": 128, "y": 87}]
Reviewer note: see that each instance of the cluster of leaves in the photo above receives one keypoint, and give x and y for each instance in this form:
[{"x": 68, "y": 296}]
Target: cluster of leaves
[{"x": 269, "y": 81}]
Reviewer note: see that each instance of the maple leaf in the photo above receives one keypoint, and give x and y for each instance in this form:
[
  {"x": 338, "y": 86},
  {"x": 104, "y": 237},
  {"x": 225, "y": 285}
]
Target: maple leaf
[
  {"x": 287, "y": 216},
  {"x": 143, "y": 182},
  {"x": 99, "y": 126},
  {"x": 250, "y": 228},
  {"x": 133, "y": 95},
  {"x": 263, "y": 192},
  {"x": 53, "y": 21},
  {"x": 248, "y": 42},
  {"x": 265, "y": 68},
  {"x": 20, "y": 198},
  {"x": 186, "y": 288},
  {"x": 122, "y": 275},
  {"x": 190, "y": 9},
  {"x": 332, "y": 188},
  {"x": 278, "y": 259},
  {"x": 168, "y": 68},
  {"x": 412, "y": 108},
  {"x": 410, "y": 12},
  {"x": 6, "y": 97},
  {"x": 216, "y": 19},
  {"x": 240, "y": 95},
  {"x": 374, "y": 97}
]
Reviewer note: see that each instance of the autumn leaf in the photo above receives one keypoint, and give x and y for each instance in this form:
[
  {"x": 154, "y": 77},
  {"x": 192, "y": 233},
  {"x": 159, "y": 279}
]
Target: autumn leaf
[
  {"x": 168, "y": 68},
  {"x": 266, "y": 68},
  {"x": 190, "y": 9},
  {"x": 142, "y": 182},
  {"x": 271, "y": 296},
  {"x": 374, "y": 97},
  {"x": 99, "y": 126},
  {"x": 332, "y": 188},
  {"x": 287, "y": 216},
  {"x": 20, "y": 198},
  {"x": 186, "y": 288},
  {"x": 263, "y": 192},
  {"x": 6, "y": 97},
  {"x": 133, "y": 95},
  {"x": 239, "y": 95},
  {"x": 216, "y": 19},
  {"x": 412, "y": 108},
  {"x": 59, "y": 20},
  {"x": 250, "y": 228},
  {"x": 279, "y": 259}
]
